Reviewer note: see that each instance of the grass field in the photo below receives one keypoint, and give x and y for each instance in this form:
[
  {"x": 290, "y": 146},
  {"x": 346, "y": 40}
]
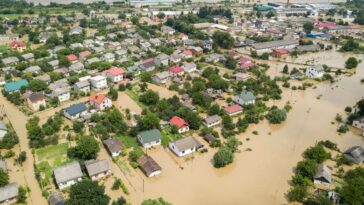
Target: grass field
[
  {"x": 52, "y": 151},
  {"x": 129, "y": 141},
  {"x": 3, "y": 48},
  {"x": 134, "y": 96},
  {"x": 168, "y": 137}
]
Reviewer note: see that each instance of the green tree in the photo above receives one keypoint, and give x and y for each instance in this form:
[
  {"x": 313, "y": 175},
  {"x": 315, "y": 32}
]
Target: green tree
[
  {"x": 4, "y": 178},
  {"x": 276, "y": 115},
  {"x": 159, "y": 201},
  {"x": 223, "y": 157},
  {"x": 316, "y": 153},
  {"x": 37, "y": 85},
  {"x": 307, "y": 168},
  {"x": 230, "y": 63},
  {"x": 150, "y": 121},
  {"x": 113, "y": 94},
  {"x": 145, "y": 77},
  {"x": 87, "y": 148},
  {"x": 297, "y": 193},
  {"x": 223, "y": 39},
  {"x": 308, "y": 27},
  {"x": 22, "y": 195},
  {"x": 352, "y": 191},
  {"x": 318, "y": 199},
  {"x": 121, "y": 201},
  {"x": 285, "y": 69},
  {"x": 78, "y": 126},
  {"x": 351, "y": 63},
  {"x": 87, "y": 192},
  {"x": 149, "y": 98}
]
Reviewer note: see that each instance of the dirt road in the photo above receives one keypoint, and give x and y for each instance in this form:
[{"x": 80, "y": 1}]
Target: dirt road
[{"x": 18, "y": 120}]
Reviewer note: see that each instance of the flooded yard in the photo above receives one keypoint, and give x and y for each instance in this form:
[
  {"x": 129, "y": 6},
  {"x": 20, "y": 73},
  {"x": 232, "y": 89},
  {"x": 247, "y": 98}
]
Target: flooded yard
[
  {"x": 125, "y": 102},
  {"x": 163, "y": 91}
]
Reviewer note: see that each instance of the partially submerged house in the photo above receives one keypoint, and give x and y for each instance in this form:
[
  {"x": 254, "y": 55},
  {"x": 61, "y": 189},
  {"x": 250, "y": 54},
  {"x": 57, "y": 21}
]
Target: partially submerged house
[
  {"x": 150, "y": 138},
  {"x": 315, "y": 71},
  {"x": 212, "y": 121},
  {"x": 233, "y": 110},
  {"x": 114, "y": 146},
  {"x": 56, "y": 198},
  {"x": 185, "y": 146},
  {"x": 100, "y": 101},
  {"x": 244, "y": 98},
  {"x": 67, "y": 175},
  {"x": 98, "y": 169},
  {"x": 75, "y": 111},
  {"x": 150, "y": 167},
  {"x": 36, "y": 101},
  {"x": 181, "y": 124},
  {"x": 355, "y": 154},
  {"x": 3, "y": 130},
  {"x": 9, "y": 194},
  {"x": 359, "y": 123},
  {"x": 323, "y": 176}
]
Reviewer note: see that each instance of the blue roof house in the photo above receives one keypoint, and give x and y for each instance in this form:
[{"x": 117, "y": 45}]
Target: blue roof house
[
  {"x": 75, "y": 111},
  {"x": 15, "y": 85}
]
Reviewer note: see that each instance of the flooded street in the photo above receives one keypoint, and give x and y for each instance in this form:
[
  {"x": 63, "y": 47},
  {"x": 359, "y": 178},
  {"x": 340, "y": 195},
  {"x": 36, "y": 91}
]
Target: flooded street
[{"x": 260, "y": 176}]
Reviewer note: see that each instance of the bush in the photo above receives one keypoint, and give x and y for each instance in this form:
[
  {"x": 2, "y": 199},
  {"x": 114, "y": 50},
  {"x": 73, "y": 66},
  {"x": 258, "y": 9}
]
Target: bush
[
  {"x": 297, "y": 193},
  {"x": 343, "y": 129},
  {"x": 316, "y": 153},
  {"x": 223, "y": 157},
  {"x": 276, "y": 115}
]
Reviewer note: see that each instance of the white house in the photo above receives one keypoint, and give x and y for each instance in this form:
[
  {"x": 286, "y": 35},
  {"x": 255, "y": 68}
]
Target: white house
[
  {"x": 67, "y": 175},
  {"x": 359, "y": 123},
  {"x": 180, "y": 124},
  {"x": 162, "y": 77},
  {"x": 211, "y": 121},
  {"x": 150, "y": 138},
  {"x": 36, "y": 100},
  {"x": 100, "y": 101},
  {"x": 189, "y": 67},
  {"x": 315, "y": 71},
  {"x": 75, "y": 111},
  {"x": 185, "y": 146},
  {"x": 3, "y": 130},
  {"x": 322, "y": 176},
  {"x": 98, "y": 82},
  {"x": 149, "y": 166},
  {"x": 244, "y": 98},
  {"x": 115, "y": 74}
]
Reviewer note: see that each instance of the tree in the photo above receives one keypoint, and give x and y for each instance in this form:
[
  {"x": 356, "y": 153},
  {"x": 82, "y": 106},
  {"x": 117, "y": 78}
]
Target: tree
[
  {"x": 149, "y": 98},
  {"x": 227, "y": 122},
  {"x": 307, "y": 168},
  {"x": 352, "y": 62},
  {"x": 113, "y": 94},
  {"x": 4, "y": 178},
  {"x": 316, "y": 153},
  {"x": 87, "y": 192},
  {"x": 9, "y": 140},
  {"x": 22, "y": 195},
  {"x": 37, "y": 85},
  {"x": 145, "y": 77},
  {"x": 159, "y": 201},
  {"x": 285, "y": 69},
  {"x": 308, "y": 27},
  {"x": 120, "y": 201},
  {"x": 270, "y": 14},
  {"x": 223, "y": 157},
  {"x": 230, "y": 63},
  {"x": 223, "y": 39},
  {"x": 276, "y": 115},
  {"x": 87, "y": 148},
  {"x": 318, "y": 199},
  {"x": 78, "y": 126},
  {"x": 350, "y": 45},
  {"x": 135, "y": 154},
  {"x": 297, "y": 193},
  {"x": 150, "y": 121},
  {"x": 352, "y": 191},
  {"x": 214, "y": 109},
  {"x": 22, "y": 157},
  {"x": 161, "y": 15}
]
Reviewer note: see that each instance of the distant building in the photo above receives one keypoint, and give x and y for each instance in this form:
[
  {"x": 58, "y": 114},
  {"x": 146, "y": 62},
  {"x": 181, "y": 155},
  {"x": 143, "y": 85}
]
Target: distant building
[
  {"x": 98, "y": 82},
  {"x": 100, "y": 101},
  {"x": 114, "y": 74},
  {"x": 315, "y": 71},
  {"x": 268, "y": 46},
  {"x": 15, "y": 85},
  {"x": 359, "y": 123},
  {"x": 233, "y": 110},
  {"x": 3, "y": 130}
]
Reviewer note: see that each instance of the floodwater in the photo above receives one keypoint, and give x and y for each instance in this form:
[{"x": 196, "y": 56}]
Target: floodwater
[
  {"x": 260, "y": 176},
  {"x": 162, "y": 90},
  {"x": 125, "y": 102}
]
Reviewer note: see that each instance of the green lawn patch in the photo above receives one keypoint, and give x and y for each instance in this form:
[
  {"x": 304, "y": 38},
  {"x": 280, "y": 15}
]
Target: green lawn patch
[
  {"x": 168, "y": 137},
  {"x": 129, "y": 141},
  {"x": 134, "y": 96},
  {"x": 45, "y": 173},
  {"x": 52, "y": 151},
  {"x": 3, "y": 48}
]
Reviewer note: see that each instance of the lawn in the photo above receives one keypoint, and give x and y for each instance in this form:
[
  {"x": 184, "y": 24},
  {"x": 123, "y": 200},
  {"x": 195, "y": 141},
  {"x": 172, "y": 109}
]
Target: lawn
[
  {"x": 168, "y": 137},
  {"x": 129, "y": 141},
  {"x": 134, "y": 96},
  {"x": 45, "y": 171},
  {"x": 3, "y": 48},
  {"x": 52, "y": 151}
]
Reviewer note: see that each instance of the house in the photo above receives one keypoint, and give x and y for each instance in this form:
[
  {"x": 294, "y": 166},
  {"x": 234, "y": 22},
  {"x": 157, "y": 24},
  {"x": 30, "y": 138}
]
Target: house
[
  {"x": 108, "y": 57},
  {"x": 180, "y": 124},
  {"x": 214, "y": 58},
  {"x": 82, "y": 86},
  {"x": 56, "y": 198},
  {"x": 244, "y": 98},
  {"x": 33, "y": 69},
  {"x": 114, "y": 74},
  {"x": 3, "y": 165},
  {"x": 279, "y": 52},
  {"x": 3, "y": 130},
  {"x": 77, "y": 30},
  {"x": 45, "y": 78},
  {"x": 355, "y": 154},
  {"x": 77, "y": 67},
  {"x": 9, "y": 194},
  {"x": 189, "y": 67},
  {"x": 209, "y": 138},
  {"x": 98, "y": 169},
  {"x": 54, "y": 64},
  {"x": 315, "y": 71},
  {"x": 162, "y": 77},
  {"x": 36, "y": 101},
  {"x": 98, "y": 82},
  {"x": 15, "y": 86},
  {"x": 183, "y": 37},
  {"x": 149, "y": 166},
  {"x": 233, "y": 110},
  {"x": 185, "y": 146},
  {"x": 84, "y": 54},
  {"x": 268, "y": 46},
  {"x": 100, "y": 101},
  {"x": 72, "y": 58},
  {"x": 167, "y": 30},
  {"x": 61, "y": 93},
  {"x": 67, "y": 175},
  {"x": 28, "y": 57},
  {"x": 245, "y": 63},
  {"x": 322, "y": 176},
  {"x": 150, "y": 138},
  {"x": 207, "y": 44},
  {"x": 147, "y": 65},
  {"x": 176, "y": 71},
  {"x": 44, "y": 36},
  {"x": 75, "y": 111},
  {"x": 175, "y": 58},
  {"x": 10, "y": 60},
  {"x": 241, "y": 76},
  {"x": 114, "y": 146},
  {"x": 359, "y": 123},
  {"x": 187, "y": 54},
  {"x": 162, "y": 59},
  {"x": 18, "y": 45},
  {"x": 211, "y": 121}
]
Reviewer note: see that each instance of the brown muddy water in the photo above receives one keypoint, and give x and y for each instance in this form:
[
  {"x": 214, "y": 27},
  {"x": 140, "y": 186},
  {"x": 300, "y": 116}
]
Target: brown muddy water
[{"x": 260, "y": 176}]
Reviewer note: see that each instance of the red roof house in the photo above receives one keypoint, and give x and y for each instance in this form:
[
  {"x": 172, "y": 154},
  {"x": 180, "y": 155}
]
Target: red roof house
[
  {"x": 279, "y": 52},
  {"x": 18, "y": 45},
  {"x": 115, "y": 74},
  {"x": 180, "y": 123},
  {"x": 72, "y": 57},
  {"x": 84, "y": 54},
  {"x": 176, "y": 70},
  {"x": 100, "y": 101},
  {"x": 233, "y": 110},
  {"x": 245, "y": 63},
  {"x": 187, "y": 53}
]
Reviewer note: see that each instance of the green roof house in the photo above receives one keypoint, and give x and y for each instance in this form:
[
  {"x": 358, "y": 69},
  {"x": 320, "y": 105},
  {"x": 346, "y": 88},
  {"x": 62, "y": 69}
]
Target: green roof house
[
  {"x": 244, "y": 98},
  {"x": 150, "y": 138},
  {"x": 15, "y": 85}
]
